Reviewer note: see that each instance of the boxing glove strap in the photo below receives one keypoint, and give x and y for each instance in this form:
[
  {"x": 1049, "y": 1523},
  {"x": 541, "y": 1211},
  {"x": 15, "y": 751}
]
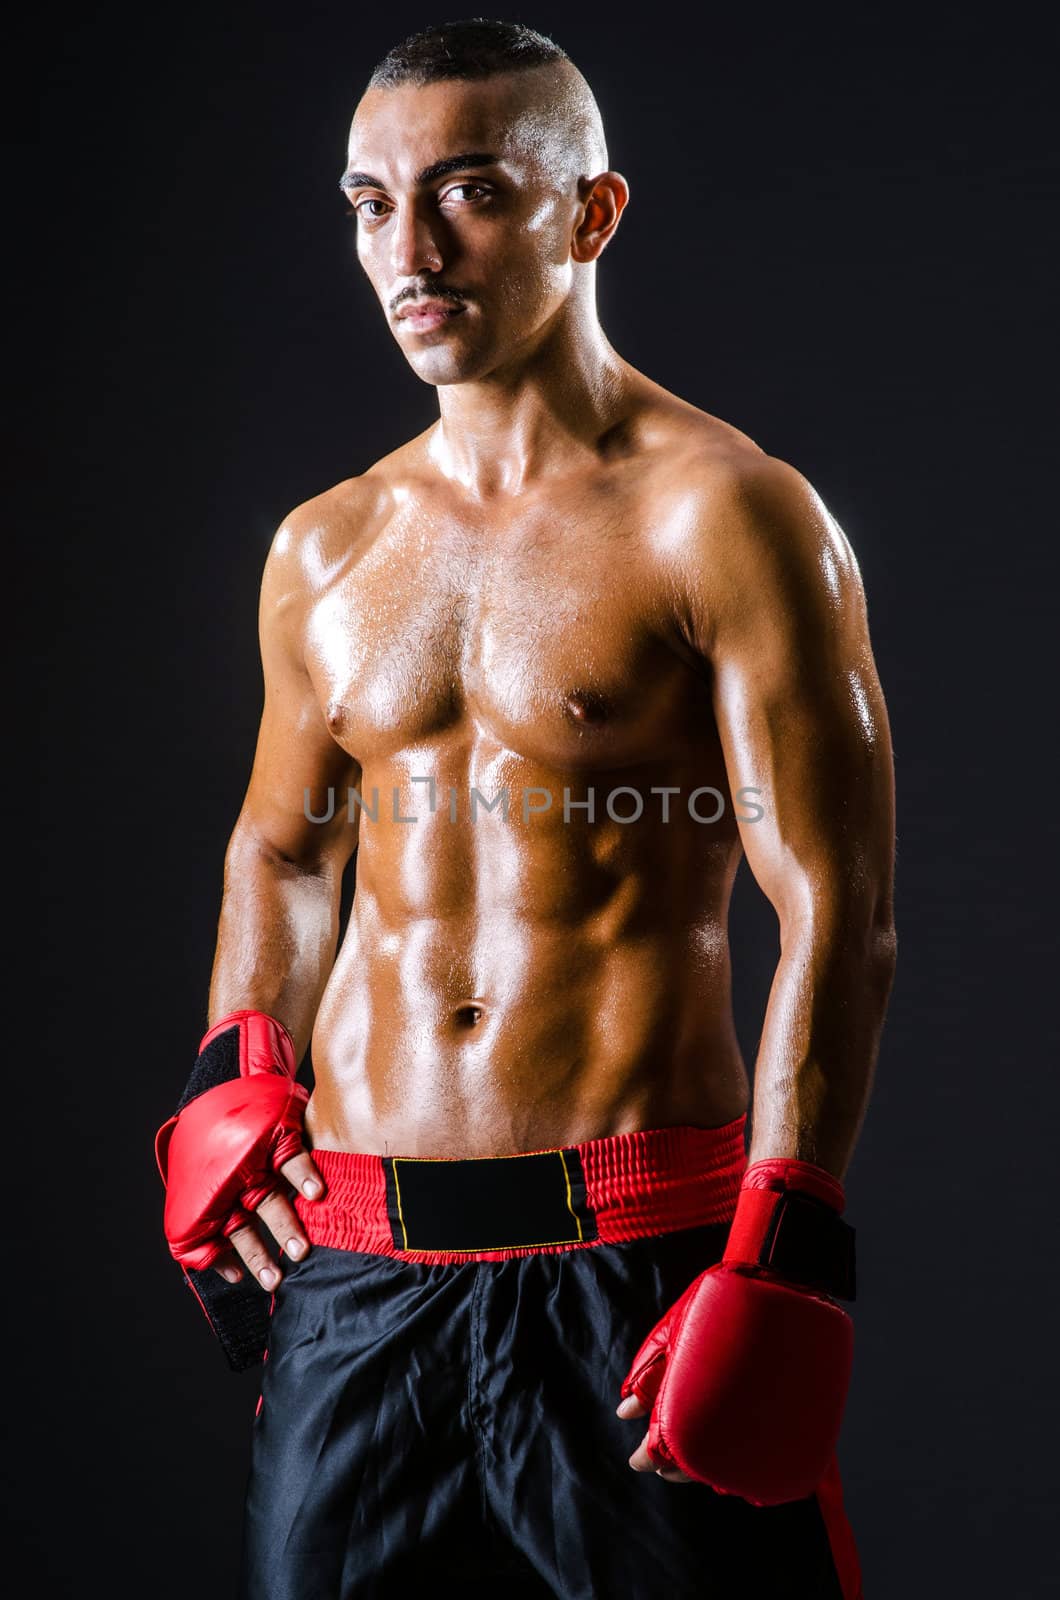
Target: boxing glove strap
[
  {"x": 239, "y": 1045},
  {"x": 793, "y": 1228}
]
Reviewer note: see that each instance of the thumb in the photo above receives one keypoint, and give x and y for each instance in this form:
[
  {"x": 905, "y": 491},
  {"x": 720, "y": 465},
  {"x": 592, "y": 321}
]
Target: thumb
[
  {"x": 644, "y": 1377},
  {"x": 646, "y": 1370},
  {"x": 649, "y": 1364}
]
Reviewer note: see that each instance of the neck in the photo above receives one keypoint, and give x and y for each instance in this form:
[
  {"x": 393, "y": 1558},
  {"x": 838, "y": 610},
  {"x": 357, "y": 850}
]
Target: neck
[{"x": 540, "y": 414}]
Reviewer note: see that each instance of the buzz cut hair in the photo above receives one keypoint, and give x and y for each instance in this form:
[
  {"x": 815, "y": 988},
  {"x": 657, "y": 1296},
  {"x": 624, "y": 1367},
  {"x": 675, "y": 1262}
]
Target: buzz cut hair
[{"x": 475, "y": 48}]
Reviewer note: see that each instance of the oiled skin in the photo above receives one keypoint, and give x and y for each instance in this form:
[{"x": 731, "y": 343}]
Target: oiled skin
[
  {"x": 513, "y": 984},
  {"x": 572, "y": 579}
]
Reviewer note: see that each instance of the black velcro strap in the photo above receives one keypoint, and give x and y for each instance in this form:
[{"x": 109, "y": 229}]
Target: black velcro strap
[
  {"x": 488, "y": 1202},
  {"x": 238, "y": 1312},
  {"x": 810, "y": 1243},
  {"x": 218, "y": 1063}
]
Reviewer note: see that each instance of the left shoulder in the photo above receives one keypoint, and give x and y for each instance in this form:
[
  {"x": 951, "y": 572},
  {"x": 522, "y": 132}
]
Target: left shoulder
[
  {"x": 743, "y": 499},
  {"x": 721, "y": 486},
  {"x": 757, "y": 545}
]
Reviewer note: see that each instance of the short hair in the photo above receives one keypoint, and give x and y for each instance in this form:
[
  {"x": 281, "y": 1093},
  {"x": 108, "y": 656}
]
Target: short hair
[{"x": 475, "y": 48}]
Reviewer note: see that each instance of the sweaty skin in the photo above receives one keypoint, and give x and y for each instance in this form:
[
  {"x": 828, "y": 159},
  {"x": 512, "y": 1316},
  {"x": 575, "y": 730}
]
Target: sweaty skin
[{"x": 573, "y": 580}]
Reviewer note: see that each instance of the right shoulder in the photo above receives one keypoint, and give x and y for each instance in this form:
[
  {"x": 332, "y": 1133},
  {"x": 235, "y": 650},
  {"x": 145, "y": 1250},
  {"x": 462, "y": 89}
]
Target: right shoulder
[
  {"x": 323, "y": 533},
  {"x": 332, "y": 531}
]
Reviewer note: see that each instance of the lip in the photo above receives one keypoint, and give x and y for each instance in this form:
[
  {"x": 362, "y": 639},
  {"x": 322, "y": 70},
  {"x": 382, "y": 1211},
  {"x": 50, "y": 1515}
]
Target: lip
[{"x": 421, "y": 316}]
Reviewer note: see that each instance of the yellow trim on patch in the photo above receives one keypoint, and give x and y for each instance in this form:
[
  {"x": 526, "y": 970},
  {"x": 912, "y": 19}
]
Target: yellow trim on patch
[
  {"x": 483, "y": 1249},
  {"x": 570, "y": 1198},
  {"x": 401, "y": 1214}
]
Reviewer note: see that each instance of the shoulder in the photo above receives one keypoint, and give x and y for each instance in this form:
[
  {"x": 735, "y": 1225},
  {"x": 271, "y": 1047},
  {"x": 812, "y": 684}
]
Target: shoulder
[
  {"x": 716, "y": 481},
  {"x": 751, "y": 540},
  {"x": 333, "y": 530},
  {"x": 719, "y": 476},
  {"x": 758, "y": 506},
  {"x": 727, "y": 484},
  {"x": 741, "y": 509}
]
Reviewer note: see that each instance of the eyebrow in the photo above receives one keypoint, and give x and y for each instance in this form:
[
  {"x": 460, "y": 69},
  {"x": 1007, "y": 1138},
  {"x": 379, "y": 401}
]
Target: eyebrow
[{"x": 437, "y": 169}]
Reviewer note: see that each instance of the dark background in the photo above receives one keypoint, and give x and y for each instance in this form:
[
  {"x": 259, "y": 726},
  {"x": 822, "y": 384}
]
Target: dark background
[{"x": 841, "y": 239}]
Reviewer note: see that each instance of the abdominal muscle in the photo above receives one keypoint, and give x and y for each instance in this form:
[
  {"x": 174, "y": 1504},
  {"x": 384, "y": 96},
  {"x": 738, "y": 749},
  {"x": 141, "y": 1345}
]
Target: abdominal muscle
[{"x": 480, "y": 1023}]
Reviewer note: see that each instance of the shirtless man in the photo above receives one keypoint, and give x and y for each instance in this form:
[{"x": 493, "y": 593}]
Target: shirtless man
[{"x": 549, "y": 669}]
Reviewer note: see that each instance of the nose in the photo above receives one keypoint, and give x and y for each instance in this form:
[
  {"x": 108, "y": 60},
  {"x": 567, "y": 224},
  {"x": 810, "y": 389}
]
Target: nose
[{"x": 414, "y": 244}]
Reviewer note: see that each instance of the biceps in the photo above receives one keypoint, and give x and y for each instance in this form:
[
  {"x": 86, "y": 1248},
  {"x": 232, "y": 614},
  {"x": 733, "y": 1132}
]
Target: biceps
[{"x": 816, "y": 742}]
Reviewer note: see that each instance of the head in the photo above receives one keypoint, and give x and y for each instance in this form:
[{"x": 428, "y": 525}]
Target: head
[{"x": 478, "y": 181}]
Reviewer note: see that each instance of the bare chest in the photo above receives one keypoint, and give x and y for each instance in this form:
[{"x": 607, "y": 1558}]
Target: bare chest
[{"x": 553, "y": 635}]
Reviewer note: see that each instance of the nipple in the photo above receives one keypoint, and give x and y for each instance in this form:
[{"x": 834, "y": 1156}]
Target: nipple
[{"x": 585, "y": 706}]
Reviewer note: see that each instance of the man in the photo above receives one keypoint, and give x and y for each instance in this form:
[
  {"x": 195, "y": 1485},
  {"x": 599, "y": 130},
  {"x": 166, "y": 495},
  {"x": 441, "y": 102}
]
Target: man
[{"x": 549, "y": 668}]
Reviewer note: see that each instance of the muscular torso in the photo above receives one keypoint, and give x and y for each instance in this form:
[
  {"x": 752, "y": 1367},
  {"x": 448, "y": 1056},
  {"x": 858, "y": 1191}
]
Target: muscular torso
[{"x": 510, "y": 983}]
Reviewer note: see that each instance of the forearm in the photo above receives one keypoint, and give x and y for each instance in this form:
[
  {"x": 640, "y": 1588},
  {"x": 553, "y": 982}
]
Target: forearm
[
  {"x": 825, "y": 1015},
  {"x": 277, "y": 934}
]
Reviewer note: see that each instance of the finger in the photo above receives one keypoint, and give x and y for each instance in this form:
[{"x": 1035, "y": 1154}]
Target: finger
[
  {"x": 228, "y": 1265},
  {"x": 281, "y": 1219},
  {"x": 646, "y": 1379},
  {"x": 640, "y": 1460},
  {"x": 632, "y": 1407},
  {"x": 247, "y": 1241},
  {"x": 302, "y": 1172}
]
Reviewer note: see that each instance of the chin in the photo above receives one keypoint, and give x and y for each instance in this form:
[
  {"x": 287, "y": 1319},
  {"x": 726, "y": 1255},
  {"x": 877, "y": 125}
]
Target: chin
[{"x": 445, "y": 364}]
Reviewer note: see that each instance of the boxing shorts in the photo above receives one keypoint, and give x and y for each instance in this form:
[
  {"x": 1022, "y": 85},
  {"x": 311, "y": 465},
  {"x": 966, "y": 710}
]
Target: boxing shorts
[{"x": 442, "y": 1373}]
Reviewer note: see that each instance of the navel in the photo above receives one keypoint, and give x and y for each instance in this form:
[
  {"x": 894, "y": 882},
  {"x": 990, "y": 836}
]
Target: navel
[{"x": 469, "y": 1015}]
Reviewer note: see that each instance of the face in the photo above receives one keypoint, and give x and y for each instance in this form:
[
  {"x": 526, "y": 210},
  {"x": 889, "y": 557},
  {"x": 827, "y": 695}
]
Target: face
[{"x": 464, "y": 214}]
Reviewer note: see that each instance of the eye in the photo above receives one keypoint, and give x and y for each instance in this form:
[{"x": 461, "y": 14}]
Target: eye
[
  {"x": 468, "y": 191},
  {"x": 360, "y": 211}
]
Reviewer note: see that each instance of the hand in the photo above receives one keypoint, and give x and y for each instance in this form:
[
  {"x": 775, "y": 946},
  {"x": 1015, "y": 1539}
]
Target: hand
[
  {"x": 238, "y": 1130},
  {"x": 745, "y": 1376},
  {"x": 640, "y": 1460},
  {"x": 281, "y": 1220}
]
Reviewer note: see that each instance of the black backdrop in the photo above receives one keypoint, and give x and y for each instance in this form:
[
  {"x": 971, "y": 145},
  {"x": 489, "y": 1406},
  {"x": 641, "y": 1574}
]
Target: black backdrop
[{"x": 841, "y": 236}]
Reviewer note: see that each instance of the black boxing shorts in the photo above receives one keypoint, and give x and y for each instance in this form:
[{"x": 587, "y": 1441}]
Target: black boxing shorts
[{"x": 443, "y": 1367}]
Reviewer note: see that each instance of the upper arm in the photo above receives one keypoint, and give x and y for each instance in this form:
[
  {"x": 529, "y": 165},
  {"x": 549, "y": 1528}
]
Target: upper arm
[
  {"x": 797, "y": 698},
  {"x": 296, "y": 761}
]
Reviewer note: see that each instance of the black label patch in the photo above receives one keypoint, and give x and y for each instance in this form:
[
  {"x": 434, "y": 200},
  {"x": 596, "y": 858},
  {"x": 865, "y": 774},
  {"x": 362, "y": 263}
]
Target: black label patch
[{"x": 488, "y": 1203}]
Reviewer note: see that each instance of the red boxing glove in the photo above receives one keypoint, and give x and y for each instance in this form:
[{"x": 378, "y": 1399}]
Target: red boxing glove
[
  {"x": 239, "y": 1120},
  {"x": 747, "y": 1373}
]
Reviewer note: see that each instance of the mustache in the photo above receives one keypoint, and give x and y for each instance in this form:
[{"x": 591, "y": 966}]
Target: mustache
[{"x": 427, "y": 291}]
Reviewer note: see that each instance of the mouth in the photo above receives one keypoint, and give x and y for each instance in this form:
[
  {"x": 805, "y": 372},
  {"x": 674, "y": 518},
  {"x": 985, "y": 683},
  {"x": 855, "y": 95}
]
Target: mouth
[{"x": 422, "y": 316}]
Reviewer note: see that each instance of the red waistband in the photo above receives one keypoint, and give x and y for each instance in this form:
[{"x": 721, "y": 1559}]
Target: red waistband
[{"x": 636, "y": 1185}]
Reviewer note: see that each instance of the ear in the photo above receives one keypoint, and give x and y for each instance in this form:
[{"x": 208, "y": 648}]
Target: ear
[{"x": 604, "y": 199}]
